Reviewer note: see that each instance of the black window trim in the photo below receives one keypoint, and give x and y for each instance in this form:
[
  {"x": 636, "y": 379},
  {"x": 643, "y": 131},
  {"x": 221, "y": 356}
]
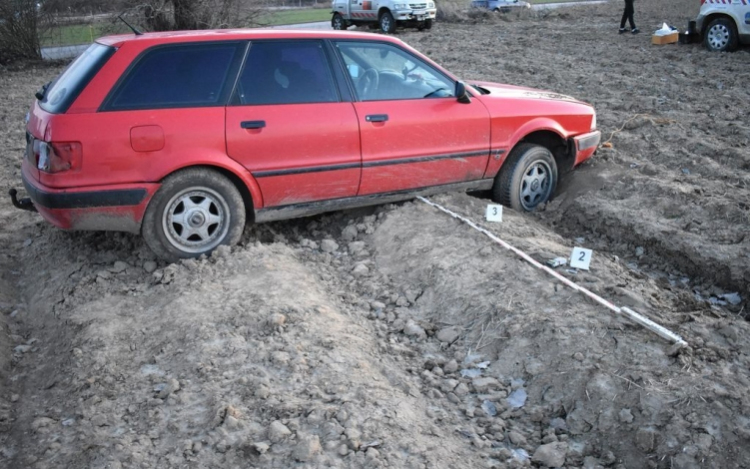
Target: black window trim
[
  {"x": 341, "y": 96},
  {"x": 227, "y": 88},
  {"x": 348, "y": 77}
]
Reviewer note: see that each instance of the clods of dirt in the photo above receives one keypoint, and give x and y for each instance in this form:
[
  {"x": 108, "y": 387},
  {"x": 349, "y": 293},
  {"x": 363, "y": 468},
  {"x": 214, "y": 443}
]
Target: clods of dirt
[{"x": 398, "y": 336}]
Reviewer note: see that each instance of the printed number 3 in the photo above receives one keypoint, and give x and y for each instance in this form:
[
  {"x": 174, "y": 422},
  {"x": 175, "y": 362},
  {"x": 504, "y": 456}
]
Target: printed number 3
[{"x": 494, "y": 210}]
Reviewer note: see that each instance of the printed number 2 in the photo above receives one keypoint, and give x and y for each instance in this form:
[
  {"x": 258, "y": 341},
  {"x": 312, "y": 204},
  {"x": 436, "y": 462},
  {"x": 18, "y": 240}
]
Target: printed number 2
[{"x": 580, "y": 258}]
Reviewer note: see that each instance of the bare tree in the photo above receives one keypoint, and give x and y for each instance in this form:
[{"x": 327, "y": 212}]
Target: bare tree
[
  {"x": 19, "y": 37},
  {"x": 166, "y": 15}
]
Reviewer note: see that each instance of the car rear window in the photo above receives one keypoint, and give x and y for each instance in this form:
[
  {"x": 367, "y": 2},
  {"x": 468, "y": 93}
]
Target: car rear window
[
  {"x": 186, "y": 75},
  {"x": 65, "y": 89}
]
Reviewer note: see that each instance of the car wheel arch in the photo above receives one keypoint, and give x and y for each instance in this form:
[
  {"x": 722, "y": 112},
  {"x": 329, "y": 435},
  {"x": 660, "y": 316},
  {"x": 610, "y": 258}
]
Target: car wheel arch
[
  {"x": 548, "y": 133},
  {"x": 731, "y": 24},
  {"x": 555, "y": 143},
  {"x": 242, "y": 180},
  {"x": 714, "y": 16},
  {"x": 383, "y": 10}
]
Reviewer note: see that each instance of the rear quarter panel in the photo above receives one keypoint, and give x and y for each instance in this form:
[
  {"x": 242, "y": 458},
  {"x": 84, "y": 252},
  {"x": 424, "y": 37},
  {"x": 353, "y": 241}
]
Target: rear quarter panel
[{"x": 192, "y": 136}]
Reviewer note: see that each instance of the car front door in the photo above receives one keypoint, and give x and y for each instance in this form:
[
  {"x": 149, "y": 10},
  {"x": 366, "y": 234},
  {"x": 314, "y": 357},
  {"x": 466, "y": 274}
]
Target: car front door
[
  {"x": 414, "y": 131},
  {"x": 289, "y": 127}
]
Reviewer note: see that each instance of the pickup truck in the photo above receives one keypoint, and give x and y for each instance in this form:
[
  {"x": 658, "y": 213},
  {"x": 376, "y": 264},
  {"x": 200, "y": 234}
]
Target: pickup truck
[{"x": 384, "y": 14}]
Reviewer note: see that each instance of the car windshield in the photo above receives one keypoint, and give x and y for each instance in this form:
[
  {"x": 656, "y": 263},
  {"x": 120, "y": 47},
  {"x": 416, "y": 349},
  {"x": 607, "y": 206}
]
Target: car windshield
[{"x": 61, "y": 93}]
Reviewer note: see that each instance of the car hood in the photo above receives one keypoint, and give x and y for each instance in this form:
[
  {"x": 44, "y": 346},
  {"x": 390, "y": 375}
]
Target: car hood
[{"x": 496, "y": 90}]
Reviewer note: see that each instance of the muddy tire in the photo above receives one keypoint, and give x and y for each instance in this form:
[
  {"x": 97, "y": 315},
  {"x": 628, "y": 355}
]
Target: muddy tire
[
  {"x": 527, "y": 179},
  {"x": 338, "y": 23},
  {"x": 193, "y": 212},
  {"x": 387, "y": 23},
  {"x": 721, "y": 35},
  {"x": 425, "y": 25}
]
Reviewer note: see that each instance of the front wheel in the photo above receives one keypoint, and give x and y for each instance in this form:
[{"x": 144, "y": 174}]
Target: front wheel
[
  {"x": 387, "y": 23},
  {"x": 193, "y": 212},
  {"x": 337, "y": 22},
  {"x": 721, "y": 35},
  {"x": 426, "y": 24},
  {"x": 527, "y": 179}
]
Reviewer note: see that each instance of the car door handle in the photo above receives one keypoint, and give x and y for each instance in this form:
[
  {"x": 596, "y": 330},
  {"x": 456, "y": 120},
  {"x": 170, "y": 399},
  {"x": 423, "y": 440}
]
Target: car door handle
[
  {"x": 252, "y": 124},
  {"x": 376, "y": 118}
]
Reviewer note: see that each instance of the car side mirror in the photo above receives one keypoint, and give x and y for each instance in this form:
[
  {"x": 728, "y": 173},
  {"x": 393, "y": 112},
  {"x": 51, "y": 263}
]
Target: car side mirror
[{"x": 462, "y": 95}]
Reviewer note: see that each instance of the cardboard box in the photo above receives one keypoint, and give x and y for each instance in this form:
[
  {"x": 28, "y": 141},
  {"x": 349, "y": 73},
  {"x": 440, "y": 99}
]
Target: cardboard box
[{"x": 670, "y": 38}]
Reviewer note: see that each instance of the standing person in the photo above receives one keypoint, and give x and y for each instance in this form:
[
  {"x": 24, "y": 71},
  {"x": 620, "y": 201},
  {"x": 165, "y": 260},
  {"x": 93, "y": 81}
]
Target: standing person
[{"x": 627, "y": 15}]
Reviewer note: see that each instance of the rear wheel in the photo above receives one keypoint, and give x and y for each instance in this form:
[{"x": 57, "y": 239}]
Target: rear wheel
[
  {"x": 337, "y": 22},
  {"x": 527, "y": 179},
  {"x": 387, "y": 23},
  {"x": 721, "y": 35},
  {"x": 193, "y": 212}
]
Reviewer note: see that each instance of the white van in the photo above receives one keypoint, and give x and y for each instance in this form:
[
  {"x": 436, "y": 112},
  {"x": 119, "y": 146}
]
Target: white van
[{"x": 724, "y": 24}]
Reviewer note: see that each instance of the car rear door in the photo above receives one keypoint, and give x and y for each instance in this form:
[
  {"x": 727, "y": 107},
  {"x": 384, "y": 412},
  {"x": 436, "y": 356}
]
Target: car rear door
[
  {"x": 289, "y": 127},
  {"x": 414, "y": 131}
]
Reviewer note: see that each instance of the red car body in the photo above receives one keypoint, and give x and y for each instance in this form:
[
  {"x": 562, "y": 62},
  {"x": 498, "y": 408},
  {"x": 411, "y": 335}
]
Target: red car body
[{"x": 304, "y": 158}]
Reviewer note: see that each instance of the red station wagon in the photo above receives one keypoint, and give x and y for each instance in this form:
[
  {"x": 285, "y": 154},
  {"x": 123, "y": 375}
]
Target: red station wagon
[{"x": 183, "y": 136}]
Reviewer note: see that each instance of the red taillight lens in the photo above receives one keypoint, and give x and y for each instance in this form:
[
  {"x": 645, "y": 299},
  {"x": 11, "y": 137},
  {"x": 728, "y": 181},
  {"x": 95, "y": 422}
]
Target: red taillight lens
[{"x": 59, "y": 156}]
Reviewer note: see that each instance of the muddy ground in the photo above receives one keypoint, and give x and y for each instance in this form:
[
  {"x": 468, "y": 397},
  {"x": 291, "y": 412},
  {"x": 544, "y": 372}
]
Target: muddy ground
[{"x": 397, "y": 336}]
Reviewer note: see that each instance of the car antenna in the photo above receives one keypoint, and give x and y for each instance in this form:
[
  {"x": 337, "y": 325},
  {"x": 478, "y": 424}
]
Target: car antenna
[{"x": 132, "y": 28}]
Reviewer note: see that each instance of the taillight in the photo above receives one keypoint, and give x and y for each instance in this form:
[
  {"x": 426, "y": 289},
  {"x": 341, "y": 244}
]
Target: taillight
[{"x": 56, "y": 157}]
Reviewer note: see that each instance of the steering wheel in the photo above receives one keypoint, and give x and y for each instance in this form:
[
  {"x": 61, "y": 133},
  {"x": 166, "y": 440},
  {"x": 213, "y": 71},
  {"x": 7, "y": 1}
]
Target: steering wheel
[{"x": 368, "y": 83}]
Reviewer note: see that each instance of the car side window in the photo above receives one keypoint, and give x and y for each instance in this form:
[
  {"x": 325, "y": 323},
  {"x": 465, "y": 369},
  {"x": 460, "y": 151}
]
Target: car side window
[
  {"x": 185, "y": 75},
  {"x": 286, "y": 72},
  {"x": 382, "y": 71}
]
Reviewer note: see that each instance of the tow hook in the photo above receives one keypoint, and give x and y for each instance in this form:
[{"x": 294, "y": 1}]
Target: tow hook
[{"x": 23, "y": 204}]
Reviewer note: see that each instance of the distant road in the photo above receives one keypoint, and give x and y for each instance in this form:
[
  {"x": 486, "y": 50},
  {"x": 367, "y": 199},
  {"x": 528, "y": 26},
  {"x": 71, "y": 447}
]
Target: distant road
[
  {"x": 69, "y": 52},
  {"x": 64, "y": 52}
]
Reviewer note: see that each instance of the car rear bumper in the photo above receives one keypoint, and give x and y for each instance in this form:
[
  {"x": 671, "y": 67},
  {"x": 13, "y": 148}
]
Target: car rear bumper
[
  {"x": 586, "y": 145},
  {"x": 109, "y": 208}
]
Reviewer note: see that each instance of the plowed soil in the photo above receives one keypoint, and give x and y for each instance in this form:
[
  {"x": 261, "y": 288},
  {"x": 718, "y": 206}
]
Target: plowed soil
[{"x": 398, "y": 336}]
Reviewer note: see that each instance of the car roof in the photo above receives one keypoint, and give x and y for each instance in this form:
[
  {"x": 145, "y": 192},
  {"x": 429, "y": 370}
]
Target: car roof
[{"x": 170, "y": 37}]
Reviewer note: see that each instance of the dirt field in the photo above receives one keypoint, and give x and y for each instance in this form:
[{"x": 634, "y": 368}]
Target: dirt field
[{"x": 398, "y": 336}]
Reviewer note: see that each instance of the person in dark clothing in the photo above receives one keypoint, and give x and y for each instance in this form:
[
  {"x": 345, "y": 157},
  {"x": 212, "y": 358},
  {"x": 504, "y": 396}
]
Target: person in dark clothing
[{"x": 627, "y": 15}]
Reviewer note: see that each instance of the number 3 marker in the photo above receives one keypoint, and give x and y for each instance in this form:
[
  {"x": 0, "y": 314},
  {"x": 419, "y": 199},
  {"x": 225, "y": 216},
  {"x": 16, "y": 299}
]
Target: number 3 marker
[{"x": 494, "y": 213}]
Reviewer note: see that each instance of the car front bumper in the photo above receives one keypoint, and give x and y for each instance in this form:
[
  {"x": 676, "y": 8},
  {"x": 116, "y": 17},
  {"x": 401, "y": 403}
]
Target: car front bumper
[
  {"x": 585, "y": 146},
  {"x": 412, "y": 15},
  {"x": 102, "y": 208}
]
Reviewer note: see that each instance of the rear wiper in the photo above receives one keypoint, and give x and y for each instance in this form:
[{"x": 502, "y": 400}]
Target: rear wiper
[{"x": 42, "y": 91}]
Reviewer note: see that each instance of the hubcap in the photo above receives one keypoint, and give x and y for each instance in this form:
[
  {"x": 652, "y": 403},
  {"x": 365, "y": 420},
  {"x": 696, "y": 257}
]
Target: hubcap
[
  {"x": 196, "y": 220},
  {"x": 535, "y": 185},
  {"x": 718, "y": 36}
]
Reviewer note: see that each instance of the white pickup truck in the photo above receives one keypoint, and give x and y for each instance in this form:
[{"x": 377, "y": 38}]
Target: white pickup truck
[{"x": 383, "y": 14}]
